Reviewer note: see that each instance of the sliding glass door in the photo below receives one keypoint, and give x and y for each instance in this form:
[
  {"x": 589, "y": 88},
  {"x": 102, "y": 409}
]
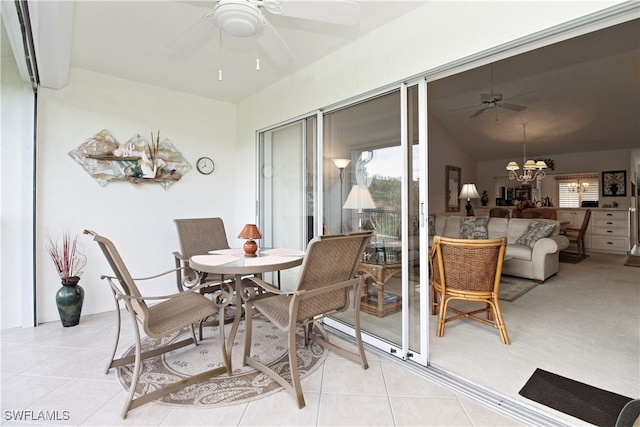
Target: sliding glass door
[
  {"x": 287, "y": 199},
  {"x": 371, "y": 178}
]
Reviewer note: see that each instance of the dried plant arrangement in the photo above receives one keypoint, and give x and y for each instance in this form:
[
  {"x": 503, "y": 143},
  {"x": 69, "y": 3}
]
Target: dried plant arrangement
[{"x": 68, "y": 261}]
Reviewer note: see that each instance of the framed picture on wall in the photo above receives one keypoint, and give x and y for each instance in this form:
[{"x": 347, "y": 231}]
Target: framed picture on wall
[{"x": 614, "y": 184}]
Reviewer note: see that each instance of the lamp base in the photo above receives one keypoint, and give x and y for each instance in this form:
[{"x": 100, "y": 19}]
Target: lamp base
[
  {"x": 250, "y": 248},
  {"x": 469, "y": 208}
]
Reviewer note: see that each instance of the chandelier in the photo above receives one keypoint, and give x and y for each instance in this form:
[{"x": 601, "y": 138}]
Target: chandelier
[
  {"x": 531, "y": 169},
  {"x": 578, "y": 187}
]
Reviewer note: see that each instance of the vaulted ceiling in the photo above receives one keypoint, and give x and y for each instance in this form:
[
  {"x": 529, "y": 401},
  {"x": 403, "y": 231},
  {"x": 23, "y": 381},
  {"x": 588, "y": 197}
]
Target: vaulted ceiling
[{"x": 581, "y": 94}]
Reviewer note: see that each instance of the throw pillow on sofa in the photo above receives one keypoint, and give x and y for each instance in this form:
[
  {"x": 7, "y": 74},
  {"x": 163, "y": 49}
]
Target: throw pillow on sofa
[
  {"x": 535, "y": 231},
  {"x": 472, "y": 227}
]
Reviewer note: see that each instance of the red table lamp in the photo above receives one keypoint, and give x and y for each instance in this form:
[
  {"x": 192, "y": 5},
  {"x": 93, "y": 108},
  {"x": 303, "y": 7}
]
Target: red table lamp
[{"x": 250, "y": 232}]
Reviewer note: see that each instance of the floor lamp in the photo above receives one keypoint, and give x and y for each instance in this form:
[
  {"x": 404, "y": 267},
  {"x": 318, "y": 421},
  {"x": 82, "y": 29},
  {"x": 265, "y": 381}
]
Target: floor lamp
[
  {"x": 359, "y": 198},
  {"x": 341, "y": 164}
]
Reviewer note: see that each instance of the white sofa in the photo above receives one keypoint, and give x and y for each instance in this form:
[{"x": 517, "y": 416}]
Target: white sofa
[{"x": 538, "y": 262}]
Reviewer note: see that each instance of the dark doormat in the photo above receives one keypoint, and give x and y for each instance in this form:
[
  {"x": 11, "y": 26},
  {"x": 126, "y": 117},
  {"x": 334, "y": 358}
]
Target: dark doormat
[{"x": 588, "y": 403}]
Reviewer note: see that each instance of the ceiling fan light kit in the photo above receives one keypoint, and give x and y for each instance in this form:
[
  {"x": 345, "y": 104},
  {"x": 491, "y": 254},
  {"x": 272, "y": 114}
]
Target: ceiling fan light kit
[
  {"x": 239, "y": 19},
  {"x": 247, "y": 19}
]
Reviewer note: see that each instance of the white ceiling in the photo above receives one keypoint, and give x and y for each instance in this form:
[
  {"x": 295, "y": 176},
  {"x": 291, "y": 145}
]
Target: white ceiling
[
  {"x": 582, "y": 94},
  {"x": 129, "y": 39}
]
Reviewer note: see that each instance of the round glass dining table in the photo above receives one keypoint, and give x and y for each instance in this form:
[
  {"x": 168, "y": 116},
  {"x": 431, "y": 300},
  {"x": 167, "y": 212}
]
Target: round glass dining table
[{"x": 233, "y": 262}]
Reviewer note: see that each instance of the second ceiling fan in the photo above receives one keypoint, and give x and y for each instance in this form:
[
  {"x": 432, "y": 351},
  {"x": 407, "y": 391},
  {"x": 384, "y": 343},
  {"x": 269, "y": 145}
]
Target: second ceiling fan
[{"x": 494, "y": 100}]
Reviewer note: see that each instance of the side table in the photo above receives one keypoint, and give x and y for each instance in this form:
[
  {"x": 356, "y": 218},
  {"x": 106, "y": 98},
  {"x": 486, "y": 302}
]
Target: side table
[{"x": 382, "y": 303}]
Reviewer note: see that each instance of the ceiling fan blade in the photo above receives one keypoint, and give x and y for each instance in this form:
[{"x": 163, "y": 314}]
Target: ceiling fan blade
[
  {"x": 513, "y": 107},
  {"x": 192, "y": 33},
  {"x": 275, "y": 48},
  {"x": 465, "y": 106},
  {"x": 477, "y": 113},
  {"x": 341, "y": 12}
]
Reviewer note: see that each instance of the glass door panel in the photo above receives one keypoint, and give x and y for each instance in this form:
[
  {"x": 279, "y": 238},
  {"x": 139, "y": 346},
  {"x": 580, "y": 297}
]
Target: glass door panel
[
  {"x": 367, "y": 195},
  {"x": 287, "y": 188}
]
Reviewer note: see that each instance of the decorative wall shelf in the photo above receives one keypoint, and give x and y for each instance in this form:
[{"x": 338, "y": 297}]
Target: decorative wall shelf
[
  {"x": 124, "y": 159},
  {"x": 135, "y": 161}
]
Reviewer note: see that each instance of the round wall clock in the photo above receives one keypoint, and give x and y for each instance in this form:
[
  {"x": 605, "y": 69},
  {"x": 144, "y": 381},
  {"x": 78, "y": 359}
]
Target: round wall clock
[{"x": 205, "y": 165}]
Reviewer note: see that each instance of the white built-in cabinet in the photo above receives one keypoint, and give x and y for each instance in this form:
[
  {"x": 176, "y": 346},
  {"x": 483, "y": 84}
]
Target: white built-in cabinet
[{"x": 610, "y": 231}]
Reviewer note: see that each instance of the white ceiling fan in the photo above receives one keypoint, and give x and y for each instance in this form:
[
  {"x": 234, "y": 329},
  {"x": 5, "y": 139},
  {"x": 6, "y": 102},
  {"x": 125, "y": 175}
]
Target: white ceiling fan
[
  {"x": 246, "y": 18},
  {"x": 494, "y": 100}
]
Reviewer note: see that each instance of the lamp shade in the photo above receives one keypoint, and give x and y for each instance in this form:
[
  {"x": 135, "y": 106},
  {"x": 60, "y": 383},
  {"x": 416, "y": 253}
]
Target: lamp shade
[
  {"x": 469, "y": 191},
  {"x": 359, "y": 198},
  {"x": 250, "y": 231},
  {"x": 341, "y": 163}
]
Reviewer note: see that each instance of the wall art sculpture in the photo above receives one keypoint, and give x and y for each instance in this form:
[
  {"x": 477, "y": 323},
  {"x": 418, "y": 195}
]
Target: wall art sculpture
[{"x": 136, "y": 161}]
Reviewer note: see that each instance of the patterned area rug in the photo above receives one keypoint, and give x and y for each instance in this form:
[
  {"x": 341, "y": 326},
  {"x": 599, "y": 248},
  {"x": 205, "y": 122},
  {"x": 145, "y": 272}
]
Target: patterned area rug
[
  {"x": 512, "y": 288},
  {"x": 246, "y": 384}
]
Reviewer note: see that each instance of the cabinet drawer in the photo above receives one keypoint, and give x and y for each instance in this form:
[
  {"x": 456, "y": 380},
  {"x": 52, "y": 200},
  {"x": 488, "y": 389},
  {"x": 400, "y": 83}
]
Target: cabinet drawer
[
  {"x": 616, "y": 215},
  {"x": 609, "y": 231},
  {"x": 610, "y": 243},
  {"x": 611, "y": 223}
]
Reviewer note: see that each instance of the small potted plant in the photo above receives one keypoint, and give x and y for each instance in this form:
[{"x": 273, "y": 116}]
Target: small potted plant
[
  {"x": 485, "y": 198},
  {"x": 69, "y": 263}
]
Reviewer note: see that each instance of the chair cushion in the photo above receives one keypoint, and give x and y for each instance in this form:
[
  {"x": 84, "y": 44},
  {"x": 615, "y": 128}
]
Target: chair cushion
[
  {"x": 535, "y": 231},
  {"x": 472, "y": 227}
]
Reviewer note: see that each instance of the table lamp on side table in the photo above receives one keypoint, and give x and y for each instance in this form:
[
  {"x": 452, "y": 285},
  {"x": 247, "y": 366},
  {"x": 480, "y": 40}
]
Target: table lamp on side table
[
  {"x": 359, "y": 198},
  {"x": 250, "y": 232},
  {"x": 469, "y": 191}
]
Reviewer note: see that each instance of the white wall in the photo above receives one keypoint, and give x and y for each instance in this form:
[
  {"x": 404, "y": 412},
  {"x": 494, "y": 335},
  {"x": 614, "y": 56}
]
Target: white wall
[
  {"x": 139, "y": 220},
  {"x": 431, "y": 36},
  {"x": 443, "y": 151}
]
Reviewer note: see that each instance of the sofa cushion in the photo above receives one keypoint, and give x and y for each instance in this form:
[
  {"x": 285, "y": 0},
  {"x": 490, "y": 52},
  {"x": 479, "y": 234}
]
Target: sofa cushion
[
  {"x": 498, "y": 227},
  {"x": 432, "y": 225},
  {"x": 452, "y": 227},
  {"x": 472, "y": 227},
  {"x": 535, "y": 231}
]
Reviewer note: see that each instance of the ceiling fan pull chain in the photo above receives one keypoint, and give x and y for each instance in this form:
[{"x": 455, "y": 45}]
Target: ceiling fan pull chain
[
  {"x": 257, "y": 56},
  {"x": 220, "y": 57}
]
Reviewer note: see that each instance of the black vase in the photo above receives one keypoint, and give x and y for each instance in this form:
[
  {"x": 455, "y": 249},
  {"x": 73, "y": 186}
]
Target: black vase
[{"x": 69, "y": 300}]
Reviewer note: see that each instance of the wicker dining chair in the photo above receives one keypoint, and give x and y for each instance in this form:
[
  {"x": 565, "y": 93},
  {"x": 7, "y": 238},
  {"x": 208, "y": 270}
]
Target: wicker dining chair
[
  {"x": 198, "y": 236},
  {"x": 173, "y": 313},
  {"x": 468, "y": 270},
  {"x": 327, "y": 276}
]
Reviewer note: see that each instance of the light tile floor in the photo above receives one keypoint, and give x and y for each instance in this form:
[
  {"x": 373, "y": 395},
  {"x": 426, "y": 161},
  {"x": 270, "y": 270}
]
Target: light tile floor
[{"x": 61, "y": 371}]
